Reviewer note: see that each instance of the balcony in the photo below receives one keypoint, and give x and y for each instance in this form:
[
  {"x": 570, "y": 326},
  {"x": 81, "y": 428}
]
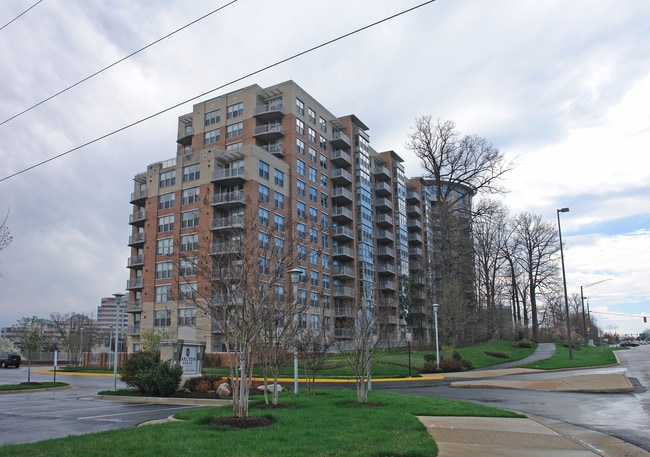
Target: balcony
[
  {"x": 135, "y": 283},
  {"x": 340, "y": 140},
  {"x": 343, "y": 252},
  {"x": 413, "y": 197},
  {"x": 229, "y": 176},
  {"x": 387, "y": 285},
  {"x": 343, "y": 291},
  {"x": 185, "y": 136},
  {"x": 227, "y": 223},
  {"x": 382, "y": 173},
  {"x": 134, "y": 306},
  {"x": 340, "y": 158},
  {"x": 229, "y": 199},
  {"x": 226, "y": 247},
  {"x": 266, "y": 113},
  {"x": 344, "y": 271},
  {"x": 416, "y": 251},
  {"x": 274, "y": 149},
  {"x": 384, "y": 220},
  {"x": 383, "y": 189},
  {"x": 385, "y": 235},
  {"x": 135, "y": 261},
  {"x": 413, "y": 209},
  {"x": 342, "y": 233},
  {"x": 137, "y": 239},
  {"x": 415, "y": 238},
  {"x": 384, "y": 204},
  {"x": 343, "y": 311},
  {"x": 341, "y": 177},
  {"x": 138, "y": 217},
  {"x": 386, "y": 268},
  {"x": 342, "y": 194},
  {"x": 414, "y": 223},
  {"x": 343, "y": 332},
  {"x": 137, "y": 197},
  {"x": 268, "y": 132},
  {"x": 342, "y": 213},
  {"x": 134, "y": 330},
  {"x": 385, "y": 252}
]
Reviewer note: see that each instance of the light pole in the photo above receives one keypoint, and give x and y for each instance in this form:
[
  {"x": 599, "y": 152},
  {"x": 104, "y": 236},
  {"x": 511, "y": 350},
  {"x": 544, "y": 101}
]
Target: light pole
[
  {"x": 587, "y": 324},
  {"x": 295, "y": 278},
  {"x": 566, "y": 298},
  {"x": 110, "y": 338},
  {"x": 435, "y": 307},
  {"x": 118, "y": 300}
]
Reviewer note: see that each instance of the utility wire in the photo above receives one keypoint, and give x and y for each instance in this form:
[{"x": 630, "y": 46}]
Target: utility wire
[
  {"x": 21, "y": 14},
  {"x": 114, "y": 63},
  {"x": 279, "y": 62}
]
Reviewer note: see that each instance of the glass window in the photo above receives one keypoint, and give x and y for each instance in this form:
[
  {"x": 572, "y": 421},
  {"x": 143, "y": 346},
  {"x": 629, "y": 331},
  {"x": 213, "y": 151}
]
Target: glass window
[
  {"x": 315, "y": 318},
  {"x": 323, "y": 180},
  {"x": 300, "y": 146},
  {"x": 302, "y": 252},
  {"x": 278, "y": 200},
  {"x": 323, "y": 143},
  {"x": 323, "y": 161},
  {"x": 313, "y": 257},
  {"x": 312, "y": 135},
  {"x": 312, "y": 115},
  {"x": 166, "y": 201},
  {"x": 165, "y": 246},
  {"x": 300, "y": 107},
  {"x": 263, "y": 239},
  {"x": 300, "y": 186},
  {"x": 211, "y": 136},
  {"x": 164, "y": 270},
  {"x": 313, "y": 194},
  {"x": 235, "y": 130},
  {"x": 167, "y": 178},
  {"x": 163, "y": 293},
  {"x": 264, "y": 170},
  {"x": 166, "y": 223},
  {"x": 278, "y": 177},
  {"x": 313, "y": 278},
  {"x": 162, "y": 317},
  {"x": 191, "y": 172},
  {"x": 323, "y": 199},
  {"x": 300, "y": 209},
  {"x": 323, "y": 125},
  {"x": 263, "y": 265},
  {"x": 190, "y": 218},
  {"x": 325, "y": 260},
  {"x": 187, "y": 317},
  {"x": 278, "y": 244},
  {"x": 312, "y": 174},
  {"x": 313, "y": 235},
  {"x": 264, "y": 193},
  {"x": 188, "y": 267},
  {"x": 300, "y": 126},
  {"x": 300, "y": 167},
  {"x": 301, "y": 230},
  {"x": 187, "y": 291},
  {"x": 313, "y": 214},
  {"x": 212, "y": 117},
  {"x": 236, "y": 145},
  {"x": 263, "y": 217},
  {"x": 234, "y": 110},
  {"x": 312, "y": 154},
  {"x": 190, "y": 196},
  {"x": 324, "y": 220},
  {"x": 278, "y": 223},
  {"x": 326, "y": 283},
  {"x": 190, "y": 242}
]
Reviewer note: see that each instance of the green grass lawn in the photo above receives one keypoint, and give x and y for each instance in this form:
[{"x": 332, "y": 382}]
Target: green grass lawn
[
  {"x": 330, "y": 423},
  {"x": 584, "y": 357},
  {"x": 41, "y": 385}
]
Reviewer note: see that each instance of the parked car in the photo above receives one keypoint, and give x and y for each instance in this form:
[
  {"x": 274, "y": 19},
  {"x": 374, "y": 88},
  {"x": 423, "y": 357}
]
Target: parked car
[{"x": 9, "y": 359}]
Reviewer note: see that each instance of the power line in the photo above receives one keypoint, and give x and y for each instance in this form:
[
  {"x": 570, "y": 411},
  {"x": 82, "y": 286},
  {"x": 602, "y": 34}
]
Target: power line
[
  {"x": 279, "y": 62},
  {"x": 114, "y": 63},
  {"x": 21, "y": 14}
]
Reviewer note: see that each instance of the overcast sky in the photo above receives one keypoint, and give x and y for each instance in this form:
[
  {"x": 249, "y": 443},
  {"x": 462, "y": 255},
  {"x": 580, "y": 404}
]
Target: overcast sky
[{"x": 561, "y": 88}]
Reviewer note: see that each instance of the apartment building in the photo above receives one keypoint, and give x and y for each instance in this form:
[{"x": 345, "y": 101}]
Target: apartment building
[{"x": 313, "y": 186}]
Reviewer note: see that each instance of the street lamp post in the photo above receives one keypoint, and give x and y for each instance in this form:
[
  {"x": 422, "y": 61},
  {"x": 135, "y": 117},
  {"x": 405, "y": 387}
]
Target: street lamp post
[
  {"x": 118, "y": 300},
  {"x": 566, "y": 298},
  {"x": 435, "y": 317},
  {"x": 295, "y": 278},
  {"x": 587, "y": 324}
]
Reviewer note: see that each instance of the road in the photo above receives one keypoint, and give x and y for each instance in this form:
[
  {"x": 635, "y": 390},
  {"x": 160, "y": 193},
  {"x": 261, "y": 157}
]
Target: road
[
  {"x": 625, "y": 416},
  {"x": 35, "y": 416}
]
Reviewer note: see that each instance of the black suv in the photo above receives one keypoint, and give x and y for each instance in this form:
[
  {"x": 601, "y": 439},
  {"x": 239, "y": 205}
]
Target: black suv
[{"x": 8, "y": 359}]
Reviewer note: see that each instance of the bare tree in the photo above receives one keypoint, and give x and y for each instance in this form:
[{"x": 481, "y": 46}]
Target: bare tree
[
  {"x": 75, "y": 334},
  {"x": 5, "y": 235},
  {"x": 314, "y": 344},
  {"x": 537, "y": 245},
  {"x": 30, "y": 340},
  {"x": 459, "y": 167}
]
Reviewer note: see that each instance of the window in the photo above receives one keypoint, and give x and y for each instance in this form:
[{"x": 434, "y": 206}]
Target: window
[
  {"x": 302, "y": 252},
  {"x": 312, "y": 154},
  {"x": 300, "y": 167},
  {"x": 166, "y": 201},
  {"x": 236, "y": 145},
  {"x": 323, "y": 125},
  {"x": 264, "y": 170},
  {"x": 188, "y": 267},
  {"x": 302, "y": 320},
  {"x": 212, "y": 117},
  {"x": 313, "y": 278},
  {"x": 211, "y": 136},
  {"x": 162, "y": 318},
  {"x": 279, "y": 293},
  {"x": 313, "y": 299},
  {"x": 278, "y": 178},
  {"x": 191, "y": 172},
  {"x": 235, "y": 130},
  {"x": 190, "y": 218},
  {"x": 313, "y": 214},
  {"x": 323, "y": 143},
  {"x": 187, "y": 291},
  {"x": 302, "y": 297},
  {"x": 315, "y": 321},
  {"x": 323, "y": 199},
  {"x": 234, "y": 110},
  {"x": 300, "y": 126},
  {"x": 190, "y": 242},
  {"x": 301, "y": 230},
  {"x": 166, "y": 223},
  {"x": 323, "y": 161},
  {"x": 300, "y": 209},
  {"x": 263, "y": 265},
  {"x": 300, "y": 107},
  {"x": 313, "y": 235},
  {"x": 312, "y": 174},
  {"x": 313, "y": 257},
  {"x": 324, "y": 220},
  {"x": 278, "y": 200},
  {"x": 325, "y": 260},
  {"x": 325, "y": 299},
  {"x": 312, "y": 115},
  {"x": 190, "y": 196},
  {"x": 326, "y": 283},
  {"x": 323, "y": 180},
  {"x": 313, "y": 194},
  {"x": 164, "y": 270},
  {"x": 165, "y": 246},
  {"x": 278, "y": 223},
  {"x": 278, "y": 245},
  {"x": 167, "y": 179},
  {"x": 263, "y": 217},
  {"x": 264, "y": 193},
  {"x": 324, "y": 240},
  {"x": 163, "y": 293},
  {"x": 187, "y": 317},
  {"x": 263, "y": 240},
  {"x": 300, "y": 146},
  {"x": 300, "y": 188}
]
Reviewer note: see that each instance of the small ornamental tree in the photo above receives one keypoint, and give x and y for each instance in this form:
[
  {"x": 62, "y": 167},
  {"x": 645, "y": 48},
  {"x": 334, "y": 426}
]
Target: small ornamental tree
[{"x": 152, "y": 377}]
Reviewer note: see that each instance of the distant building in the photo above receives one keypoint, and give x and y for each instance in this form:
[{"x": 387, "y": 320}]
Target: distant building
[{"x": 107, "y": 310}]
